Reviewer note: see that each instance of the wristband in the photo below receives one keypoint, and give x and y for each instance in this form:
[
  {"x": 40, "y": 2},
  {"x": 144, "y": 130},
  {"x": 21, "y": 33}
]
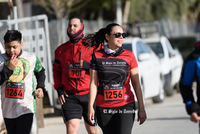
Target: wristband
[{"x": 60, "y": 91}]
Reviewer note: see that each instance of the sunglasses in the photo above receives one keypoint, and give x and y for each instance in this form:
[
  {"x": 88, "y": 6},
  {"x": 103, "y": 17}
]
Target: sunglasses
[{"x": 117, "y": 35}]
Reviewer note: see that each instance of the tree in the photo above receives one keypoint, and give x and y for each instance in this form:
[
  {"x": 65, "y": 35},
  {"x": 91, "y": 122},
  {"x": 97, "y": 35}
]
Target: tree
[
  {"x": 149, "y": 10},
  {"x": 100, "y": 10},
  {"x": 20, "y": 11},
  {"x": 61, "y": 8}
]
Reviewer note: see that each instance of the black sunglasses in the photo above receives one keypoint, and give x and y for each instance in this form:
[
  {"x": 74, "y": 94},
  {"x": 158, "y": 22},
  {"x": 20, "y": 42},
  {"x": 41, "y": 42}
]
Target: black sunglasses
[{"x": 117, "y": 35}]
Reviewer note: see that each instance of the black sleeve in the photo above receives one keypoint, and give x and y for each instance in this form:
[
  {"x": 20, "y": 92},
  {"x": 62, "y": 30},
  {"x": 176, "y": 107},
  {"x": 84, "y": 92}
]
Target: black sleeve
[
  {"x": 5, "y": 74},
  {"x": 86, "y": 65},
  {"x": 93, "y": 64},
  {"x": 40, "y": 76},
  {"x": 193, "y": 107},
  {"x": 186, "y": 92},
  {"x": 60, "y": 91}
]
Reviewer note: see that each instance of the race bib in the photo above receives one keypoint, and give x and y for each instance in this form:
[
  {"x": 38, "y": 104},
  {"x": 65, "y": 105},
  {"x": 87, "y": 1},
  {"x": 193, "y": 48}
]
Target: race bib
[
  {"x": 113, "y": 92},
  {"x": 75, "y": 71},
  {"x": 15, "y": 90}
]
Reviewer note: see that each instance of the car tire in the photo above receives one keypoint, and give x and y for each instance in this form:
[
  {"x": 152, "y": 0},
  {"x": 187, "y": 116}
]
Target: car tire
[
  {"x": 160, "y": 97},
  {"x": 177, "y": 87},
  {"x": 35, "y": 127},
  {"x": 169, "y": 90}
]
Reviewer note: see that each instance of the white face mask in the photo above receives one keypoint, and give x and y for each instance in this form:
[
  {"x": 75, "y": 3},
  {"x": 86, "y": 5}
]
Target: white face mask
[{"x": 108, "y": 50}]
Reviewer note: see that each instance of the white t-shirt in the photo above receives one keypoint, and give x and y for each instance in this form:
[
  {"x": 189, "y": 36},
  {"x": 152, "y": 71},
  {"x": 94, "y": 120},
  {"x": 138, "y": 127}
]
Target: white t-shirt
[{"x": 17, "y": 93}]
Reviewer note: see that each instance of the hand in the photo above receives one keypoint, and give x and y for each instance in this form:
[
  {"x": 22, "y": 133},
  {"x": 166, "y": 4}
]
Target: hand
[
  {"x": 81, "y": 63},
  {"x": 91, "y": 114},
  {"x": 142, "y": 116},
  {"x": 12, "y": 62},
  {"x": 39, "y": 93},
  {"x": 195, "y": 118},
  {"x": 62, "y": 98}
]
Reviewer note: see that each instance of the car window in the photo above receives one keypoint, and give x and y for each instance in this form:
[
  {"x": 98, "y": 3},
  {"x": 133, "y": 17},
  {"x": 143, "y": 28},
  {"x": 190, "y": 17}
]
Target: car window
[
  {"x": 157, "y": 48},
  {"x": 127, "y": 46},
  {"x": 141, "y": 48},
  {"x": 145, "y": 48},
  {"x": 168, "y": 50}
]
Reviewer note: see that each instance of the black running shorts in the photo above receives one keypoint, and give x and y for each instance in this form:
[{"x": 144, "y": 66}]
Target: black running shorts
[{"x": 75, "y": 107}]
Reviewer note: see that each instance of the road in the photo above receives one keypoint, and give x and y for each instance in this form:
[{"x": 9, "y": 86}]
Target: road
[{"x": 168, "y": 117}]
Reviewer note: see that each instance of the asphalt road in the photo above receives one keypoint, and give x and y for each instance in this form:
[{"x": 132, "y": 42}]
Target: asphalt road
[{"x": 168, "y": 117}]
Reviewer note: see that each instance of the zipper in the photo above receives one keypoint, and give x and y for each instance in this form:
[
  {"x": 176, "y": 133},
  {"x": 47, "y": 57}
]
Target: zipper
[
  {"x": 73, "y": 53},
  {"x": 73, "y": 63}
]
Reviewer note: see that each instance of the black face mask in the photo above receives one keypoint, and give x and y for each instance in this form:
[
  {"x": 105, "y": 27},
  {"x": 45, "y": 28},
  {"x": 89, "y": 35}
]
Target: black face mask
[{"x": 76, "y": 36}]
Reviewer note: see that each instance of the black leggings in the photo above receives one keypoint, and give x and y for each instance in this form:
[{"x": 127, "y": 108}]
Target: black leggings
[
  {"x": 116, "y": 120},
  {"x": 19, "y": 125}
]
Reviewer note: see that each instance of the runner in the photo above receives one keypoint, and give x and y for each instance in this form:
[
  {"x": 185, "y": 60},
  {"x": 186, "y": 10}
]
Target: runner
[
  {"x": 110, "y": 73},
  {"x": 72, "y": 78},
  {"x": 17, "y": 86}
]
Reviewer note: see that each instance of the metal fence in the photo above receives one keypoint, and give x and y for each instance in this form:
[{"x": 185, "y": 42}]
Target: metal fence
[{"x": 166, "y": 27}]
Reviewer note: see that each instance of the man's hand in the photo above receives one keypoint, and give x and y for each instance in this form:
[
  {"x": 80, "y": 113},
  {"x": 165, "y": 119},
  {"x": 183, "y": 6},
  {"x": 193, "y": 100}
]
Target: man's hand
[
  {"x": 81, "y": 63},
  {"x": 195, "y": 118},
  {"x": 12, "y": 62},
  {"x": 62, "y": 98},
  {"x": 39, "y": 93}
]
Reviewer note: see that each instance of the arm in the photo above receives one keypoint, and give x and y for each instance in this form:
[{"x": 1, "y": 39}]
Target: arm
[
  {"x": 39, "y": 72},
  {"x": 57, "y": 75},
  {"x": 136, "y": 85},
  {"x": 40, "y": 76},
  {"x": 5, "y": 74},
  {"x": 186, "y": 81},
  {"x": 40, "y": 88},
  {"x": 92, "y": 93}
]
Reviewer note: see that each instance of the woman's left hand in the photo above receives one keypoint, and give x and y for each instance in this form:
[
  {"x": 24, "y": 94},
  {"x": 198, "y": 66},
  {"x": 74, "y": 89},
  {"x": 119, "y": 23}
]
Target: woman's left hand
[
  {"x": 142, "y": 116},
  {"x": 91, "y": 114}
]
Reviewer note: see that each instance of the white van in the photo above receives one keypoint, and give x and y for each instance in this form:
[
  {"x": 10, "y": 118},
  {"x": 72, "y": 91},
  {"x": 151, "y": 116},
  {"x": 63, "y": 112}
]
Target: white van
[
  {"x": 171, "y": 62},
  {"x": 149, "y": 69}
]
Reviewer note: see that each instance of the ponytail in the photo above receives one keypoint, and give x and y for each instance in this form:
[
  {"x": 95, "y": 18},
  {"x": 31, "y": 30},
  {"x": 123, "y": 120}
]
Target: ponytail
[
  {"x": 98, "y": 38},
  {"x": 95, "y": 39}
]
